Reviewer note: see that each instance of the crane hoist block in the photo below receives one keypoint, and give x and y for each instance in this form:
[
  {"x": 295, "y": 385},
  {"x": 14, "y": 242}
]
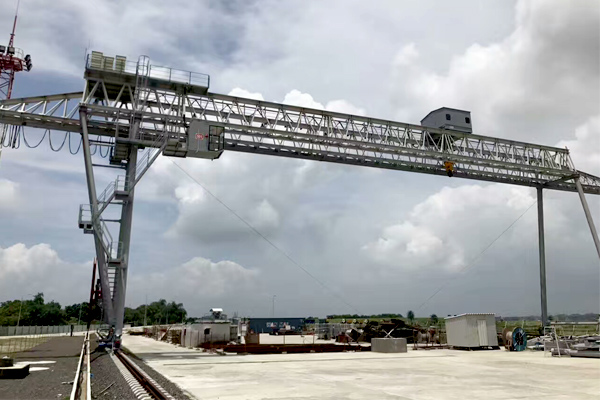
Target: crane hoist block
[{"x": 449, "y": 167}]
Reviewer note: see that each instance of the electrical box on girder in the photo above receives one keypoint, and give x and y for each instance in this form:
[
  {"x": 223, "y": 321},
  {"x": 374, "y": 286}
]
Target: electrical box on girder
[
  {"x": 205, "y": 139},
  {"x": 449, "y": 119}
]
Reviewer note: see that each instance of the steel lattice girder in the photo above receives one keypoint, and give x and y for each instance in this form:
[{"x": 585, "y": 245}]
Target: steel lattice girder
[{"x": 283, "y": 130}]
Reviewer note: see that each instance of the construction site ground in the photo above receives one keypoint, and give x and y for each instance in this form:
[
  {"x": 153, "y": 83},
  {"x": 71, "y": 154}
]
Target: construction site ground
[
  {"x": 416, "y": 375},
  {"x": 52, "y": 368}
]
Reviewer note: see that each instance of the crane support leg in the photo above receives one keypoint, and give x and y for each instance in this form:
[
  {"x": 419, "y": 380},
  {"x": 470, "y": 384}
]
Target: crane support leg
[
  {"x": 125, "y": 240},
  {"x": 588, "y": 215},
  {"x": 542, "y": 250},
  {"x": 109, "y": 315}
]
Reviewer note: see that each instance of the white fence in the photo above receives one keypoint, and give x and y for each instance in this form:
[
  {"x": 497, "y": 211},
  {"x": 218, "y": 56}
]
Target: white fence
[{"x": 43, "y": 330}]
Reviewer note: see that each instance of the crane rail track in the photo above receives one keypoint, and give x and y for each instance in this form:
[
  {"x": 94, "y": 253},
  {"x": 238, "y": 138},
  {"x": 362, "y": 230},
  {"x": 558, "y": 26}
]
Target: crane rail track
[{"x": 151, "y": 387}]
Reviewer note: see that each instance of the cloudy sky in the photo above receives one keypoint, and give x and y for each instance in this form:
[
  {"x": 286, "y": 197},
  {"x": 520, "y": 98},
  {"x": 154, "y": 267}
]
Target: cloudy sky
[{"x": 379, "y": 241}]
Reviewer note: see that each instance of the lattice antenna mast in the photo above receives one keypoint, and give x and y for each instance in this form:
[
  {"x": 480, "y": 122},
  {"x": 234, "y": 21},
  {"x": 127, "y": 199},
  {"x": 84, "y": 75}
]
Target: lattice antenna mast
[
  {"x": 12, "y": 35},
  {"x": 12, "y": 60}
]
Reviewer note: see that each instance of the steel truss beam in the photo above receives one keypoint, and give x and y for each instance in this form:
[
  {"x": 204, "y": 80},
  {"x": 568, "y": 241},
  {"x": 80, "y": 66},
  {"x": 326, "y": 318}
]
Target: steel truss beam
[{"x": 289, "y": 131}]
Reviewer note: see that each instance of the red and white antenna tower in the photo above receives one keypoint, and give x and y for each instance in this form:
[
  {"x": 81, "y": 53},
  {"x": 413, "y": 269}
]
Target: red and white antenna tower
[{"x": 12, "y": 60}]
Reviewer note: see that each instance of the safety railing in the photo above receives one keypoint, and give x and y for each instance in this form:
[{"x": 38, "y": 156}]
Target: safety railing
[
  {"x": 119, "y": 64},
  {"x": 149, "y": 155},
  {"x": 82, "y": 383},
  {"x": 179, "y": 76},
  {"x": 13, "y": 52},
  {"x": 85, "y": 215},
  {"x": 107, "y": 192}
]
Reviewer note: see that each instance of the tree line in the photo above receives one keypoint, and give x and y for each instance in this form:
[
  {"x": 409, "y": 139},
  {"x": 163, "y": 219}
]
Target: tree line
[
  {"x": 38, "y": 312},
  {"x": 158, "y": 312},
  {"x": 410, "y": 315}
]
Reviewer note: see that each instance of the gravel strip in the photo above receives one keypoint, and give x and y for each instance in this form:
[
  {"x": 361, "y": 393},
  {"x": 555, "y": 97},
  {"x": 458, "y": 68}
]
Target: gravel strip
[
  {"x": 169, "y": 386},
  {"x": 105, "y": 373}
]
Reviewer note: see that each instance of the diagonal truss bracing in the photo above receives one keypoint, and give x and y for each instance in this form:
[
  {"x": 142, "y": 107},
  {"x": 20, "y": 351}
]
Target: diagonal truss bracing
[{"x": 283, "y": 130}]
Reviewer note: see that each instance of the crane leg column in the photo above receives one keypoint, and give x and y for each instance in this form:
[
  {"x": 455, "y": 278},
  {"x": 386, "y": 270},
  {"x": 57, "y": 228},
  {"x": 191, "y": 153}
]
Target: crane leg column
[
  {"x": 588, "y": 215},
  {"x": 542, "y": 250},
  {"x": 125, "y": 241},
  {"x": 100, "y": 254}
]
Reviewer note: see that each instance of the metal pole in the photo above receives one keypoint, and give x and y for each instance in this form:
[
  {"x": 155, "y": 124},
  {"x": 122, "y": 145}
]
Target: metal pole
[
  {"x": 92, "y": 295},
  {"x": 125, "y": 240},
  {"x": 542, "y": 250},
  {"x": 588, "y": 215},
  {"x": 20, "y": 308},
  {"x": 100, "y": 255},
  {"x": 145, "y": 310}
]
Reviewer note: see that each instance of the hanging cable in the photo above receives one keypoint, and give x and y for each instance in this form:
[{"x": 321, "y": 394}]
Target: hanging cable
[
  {"x": 78, "y": 148},
  {"x": 50, "y": 141},
  {"x": 12, "y": 138},
  {"x": 257, "y": 232},
  {"x": 4, "y": 130},
  {"x": 17, "y": 137},
  {"x": 107, "y": 149},
  {"x": 38, "y": 144},
  {"x": 472, "y": 263}
]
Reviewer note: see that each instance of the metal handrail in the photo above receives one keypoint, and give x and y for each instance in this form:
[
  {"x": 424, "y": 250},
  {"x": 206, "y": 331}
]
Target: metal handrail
[
  {"x": 168, "y": 74},
  {"x": 88, "y": 372},
  {"x": 77, "y": 381},
  {"x": 107, "y": 193},
  {"x": 85, "y": 210}
]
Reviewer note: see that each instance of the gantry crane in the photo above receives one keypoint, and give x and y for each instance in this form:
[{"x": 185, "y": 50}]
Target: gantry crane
[{"x": 139, "y": 111}]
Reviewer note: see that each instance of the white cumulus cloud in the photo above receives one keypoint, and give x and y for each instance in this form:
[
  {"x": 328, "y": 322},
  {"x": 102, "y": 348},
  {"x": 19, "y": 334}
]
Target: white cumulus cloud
[
  {"x": 438, "y": 233},
  {"x": 29, "y": 270},
  {"x": 407, "y": 55},
  {"x": 238, "y": 92}
]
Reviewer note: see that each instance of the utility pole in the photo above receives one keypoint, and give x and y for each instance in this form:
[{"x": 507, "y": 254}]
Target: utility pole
[
  {"x": 20, "y": 308},
  {"x": 145, "y": 310},
  {"x": 79, "y": 319},
  {"x": 273, "y": 311}
]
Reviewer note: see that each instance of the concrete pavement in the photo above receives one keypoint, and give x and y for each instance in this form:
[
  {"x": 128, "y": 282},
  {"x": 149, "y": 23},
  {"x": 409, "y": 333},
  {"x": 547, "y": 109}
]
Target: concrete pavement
[{"x": 422, "y": 374}]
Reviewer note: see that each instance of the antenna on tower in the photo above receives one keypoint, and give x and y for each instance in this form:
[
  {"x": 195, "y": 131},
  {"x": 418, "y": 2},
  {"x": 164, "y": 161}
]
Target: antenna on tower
[
  {"x": 12, "y": 35},
  {"x": 12, "y": 60}
]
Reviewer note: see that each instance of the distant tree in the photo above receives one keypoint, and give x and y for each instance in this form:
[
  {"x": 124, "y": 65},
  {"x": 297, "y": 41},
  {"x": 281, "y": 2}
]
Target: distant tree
[
  {"x": 156, "y": 312},
  {"x": 39, "y": 298},
  {"x": 434, "y": 319},
  {"x": 52, "y": 314},
  {"x": 32, "y": 312},
  {"x": 411, "y": 316}
]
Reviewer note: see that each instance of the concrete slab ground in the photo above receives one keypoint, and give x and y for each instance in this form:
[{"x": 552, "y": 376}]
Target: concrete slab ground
[{"x": 416, "y": 375}]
